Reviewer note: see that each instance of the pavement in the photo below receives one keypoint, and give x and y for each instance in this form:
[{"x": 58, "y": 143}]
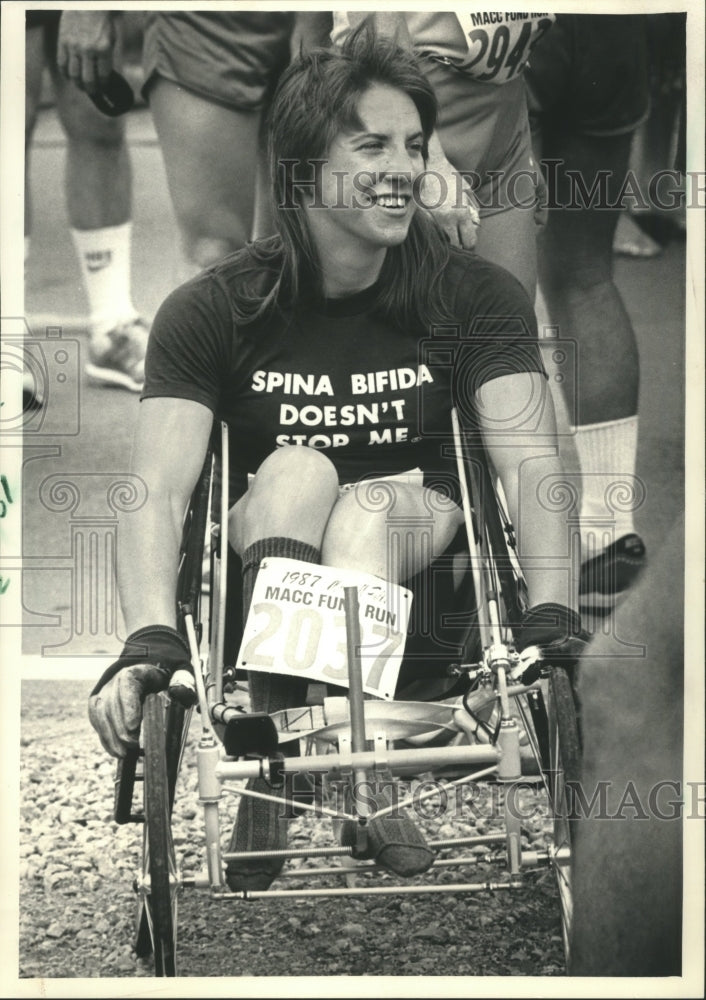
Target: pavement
[{"x": 75, "y": 465}]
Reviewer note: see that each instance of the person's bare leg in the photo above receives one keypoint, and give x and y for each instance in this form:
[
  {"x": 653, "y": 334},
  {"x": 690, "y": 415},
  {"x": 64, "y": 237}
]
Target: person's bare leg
[
  {"x": 510, "y": 240},
  {"x": 98, "y": 169},
  {"x": 98, "y": 185},
  {"x": 576, "y": 276},
  {"x": 283, "y": 514},
  {"x": 34, "y": 67},
  {"x": 210, "y": 158}
]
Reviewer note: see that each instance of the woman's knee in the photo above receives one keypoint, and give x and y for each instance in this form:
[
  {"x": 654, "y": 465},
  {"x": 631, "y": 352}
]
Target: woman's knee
[
  {"x": 392, "y": 530},
  {"x": 292, "y": 495},
  {"x": 299, "y": 467}
]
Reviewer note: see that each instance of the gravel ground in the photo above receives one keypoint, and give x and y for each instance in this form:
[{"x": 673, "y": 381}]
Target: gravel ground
[{"x": 77, "y": 905}]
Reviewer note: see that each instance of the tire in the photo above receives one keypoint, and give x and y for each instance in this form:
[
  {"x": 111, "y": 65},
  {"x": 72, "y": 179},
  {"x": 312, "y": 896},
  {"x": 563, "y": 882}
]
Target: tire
[
  {"x": 564, "y": 769},
  {"x": 157, "y": 911},
  {"x": 165, "y": 723}
]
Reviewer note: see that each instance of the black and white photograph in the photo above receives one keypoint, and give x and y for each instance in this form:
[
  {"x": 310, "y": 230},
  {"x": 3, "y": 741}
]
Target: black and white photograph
[{"x": 351, "y": 499}]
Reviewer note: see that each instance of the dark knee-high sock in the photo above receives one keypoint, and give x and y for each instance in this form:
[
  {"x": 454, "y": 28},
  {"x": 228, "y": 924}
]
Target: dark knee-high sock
[
  {"x": 272, "y": 692},
  {"x": 262, "y": 825}
]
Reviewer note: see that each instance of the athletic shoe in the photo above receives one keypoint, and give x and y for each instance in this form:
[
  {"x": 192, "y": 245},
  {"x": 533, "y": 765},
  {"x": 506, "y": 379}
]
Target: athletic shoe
[
  {"x": 261, "y": 825},
  {"x": 118, "y": 357},
  {"x": 606, "y": 578},
  {"x": 392, "y": 841}
]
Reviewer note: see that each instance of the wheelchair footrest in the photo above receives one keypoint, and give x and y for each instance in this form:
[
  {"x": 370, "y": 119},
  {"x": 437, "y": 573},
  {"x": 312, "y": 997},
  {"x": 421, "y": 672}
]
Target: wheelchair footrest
[{"x": 253, "y": 735}]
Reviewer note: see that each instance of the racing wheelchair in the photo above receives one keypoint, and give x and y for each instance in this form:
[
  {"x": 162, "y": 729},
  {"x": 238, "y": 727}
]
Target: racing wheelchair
[{"x": 497, "y": 723}]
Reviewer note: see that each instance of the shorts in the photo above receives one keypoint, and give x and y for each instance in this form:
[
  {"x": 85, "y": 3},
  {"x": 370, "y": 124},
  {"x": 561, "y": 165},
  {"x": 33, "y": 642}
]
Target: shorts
[
  {"x": 233, "y": 59},
  {"x": 48, "y": 22},
  {"x": 590, "y": 74},
  {"x": 42, "y": 19},
  {"x": 484, "y": 131}
]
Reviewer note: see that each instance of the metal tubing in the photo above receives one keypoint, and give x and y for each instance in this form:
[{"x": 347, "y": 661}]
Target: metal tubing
[
  {"x": 355, "y": 689},
  {"x": 424, "y": 758},
  {"x": 294, "y": 852},
  {"x": 213, "y": 843},
  {"x": 207, "y": 756},
  {"x": 473, "y": 552},
  {"x": 206, "y": 726},
  {"x": 481, "y": 838},
  {"x": 378, "y": 890},
  {"x": 468, "y": 860},
  {"x": 320, "y": 810},
  {"x": 200, "y": 880},
  {"x": 416, "y": 799},
  {"x": 210, "y": 792},
  {"x": 336, "y": 852},
  {"x": 223, "y": 562},
  {"x": 510, "y": 766},
  {"x": 355, "y": 675}
]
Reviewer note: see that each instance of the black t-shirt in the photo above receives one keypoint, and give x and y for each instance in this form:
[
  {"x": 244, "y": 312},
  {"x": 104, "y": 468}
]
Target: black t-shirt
[{"x": 335, "y": 375}]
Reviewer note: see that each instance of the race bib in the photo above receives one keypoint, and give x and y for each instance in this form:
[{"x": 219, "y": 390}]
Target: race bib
[
  {"x": 297, "y": 626},
  {"x": 499, "y": 45}
]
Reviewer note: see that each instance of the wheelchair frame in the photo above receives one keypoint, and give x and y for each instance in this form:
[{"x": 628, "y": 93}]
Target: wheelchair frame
[{"x": 544, "y": 712}]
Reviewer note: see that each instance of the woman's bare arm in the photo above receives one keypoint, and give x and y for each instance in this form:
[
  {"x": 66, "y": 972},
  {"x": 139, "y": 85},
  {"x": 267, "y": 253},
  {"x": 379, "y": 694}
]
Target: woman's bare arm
[{"x": 170, "y": 444}]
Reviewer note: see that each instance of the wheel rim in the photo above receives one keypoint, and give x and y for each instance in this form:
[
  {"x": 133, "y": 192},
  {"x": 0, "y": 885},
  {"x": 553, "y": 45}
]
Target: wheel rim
[
  {"x": 564, "y": 767},
  {"x": 561, "y": 849},
  {"x": 160, "y": 875}
]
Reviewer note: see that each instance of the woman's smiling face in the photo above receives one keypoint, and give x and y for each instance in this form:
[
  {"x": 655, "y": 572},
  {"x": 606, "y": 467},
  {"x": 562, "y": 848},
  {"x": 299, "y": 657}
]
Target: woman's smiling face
[{"x": 367, "y": 182}]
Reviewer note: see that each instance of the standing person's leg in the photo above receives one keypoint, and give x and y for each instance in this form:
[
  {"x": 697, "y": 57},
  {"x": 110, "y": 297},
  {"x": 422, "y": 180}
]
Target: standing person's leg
[
  {"x": 510, "y": 240},
  {"x": 34, "y": 68},
  {"x": 588, "y": 80},
  {"x": 484, "y": 131},
  {"x": 99, "y": 202},
  {"x": 208, "y": 81},
  {"x": 210, "y": 156},
  {"x": 576, "y": 274}
]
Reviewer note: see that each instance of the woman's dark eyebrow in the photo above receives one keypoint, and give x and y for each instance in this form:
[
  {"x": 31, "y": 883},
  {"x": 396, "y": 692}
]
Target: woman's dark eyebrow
[{"x": 357, "y": 135}]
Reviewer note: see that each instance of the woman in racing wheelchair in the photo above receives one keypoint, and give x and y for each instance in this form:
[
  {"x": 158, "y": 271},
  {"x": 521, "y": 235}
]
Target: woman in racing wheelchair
[{"x": 335, "y": 352}]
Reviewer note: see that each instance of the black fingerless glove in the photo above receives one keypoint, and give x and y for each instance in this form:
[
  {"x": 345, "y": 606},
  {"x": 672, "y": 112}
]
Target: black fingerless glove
[
  {"x": 159, "y": 645},
  {"x": 557, "y": 631}
]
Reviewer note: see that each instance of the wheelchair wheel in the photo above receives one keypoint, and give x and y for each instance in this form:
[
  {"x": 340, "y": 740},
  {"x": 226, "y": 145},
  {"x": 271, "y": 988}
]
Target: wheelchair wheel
[
  {"x": 564, "y": 770},
  {"x": 165, "y": 727},
  {"x": 157, "y": 914}
]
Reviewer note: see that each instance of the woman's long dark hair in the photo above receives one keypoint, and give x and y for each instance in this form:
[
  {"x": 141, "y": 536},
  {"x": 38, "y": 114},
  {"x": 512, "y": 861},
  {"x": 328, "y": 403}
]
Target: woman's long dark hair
[{"x": 315, "y": 100}]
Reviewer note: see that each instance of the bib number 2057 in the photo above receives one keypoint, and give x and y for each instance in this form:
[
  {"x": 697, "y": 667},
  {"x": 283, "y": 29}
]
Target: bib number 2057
[{"x": 296, "y": 625}]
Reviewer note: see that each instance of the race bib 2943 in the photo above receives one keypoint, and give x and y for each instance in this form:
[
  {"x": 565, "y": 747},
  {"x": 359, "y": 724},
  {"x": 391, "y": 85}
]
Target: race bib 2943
[{"x": 499, "y": 44}]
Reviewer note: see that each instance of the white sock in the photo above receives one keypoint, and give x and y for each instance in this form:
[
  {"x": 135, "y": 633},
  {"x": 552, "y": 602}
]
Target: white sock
[
  {"x": 609, "y": 491},
  {"x": 104, "y": 256}
]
